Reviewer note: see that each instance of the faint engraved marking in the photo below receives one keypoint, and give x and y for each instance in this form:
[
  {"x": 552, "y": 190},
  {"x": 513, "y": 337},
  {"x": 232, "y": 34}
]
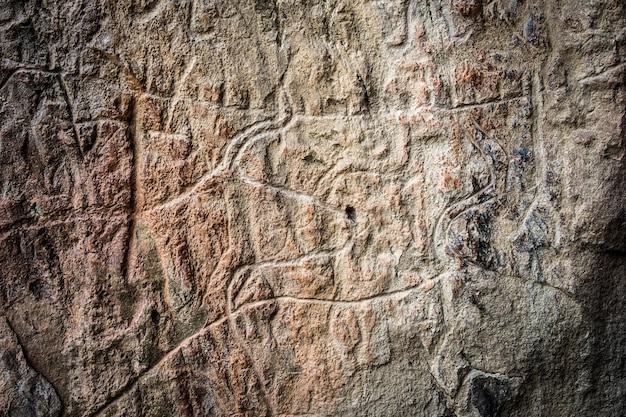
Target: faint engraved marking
[
  {"x": 180, "y": 84},
  {"x": 229, "y": 166},
  {"x": 29, "y": 362},
  {"x": 135, "y": 187},
  {"x": 150, "y": 10},
  {"x": 610, "y": 75},
  {"x": 70, "y": 110},
  {"x": 492, "y": 152}
]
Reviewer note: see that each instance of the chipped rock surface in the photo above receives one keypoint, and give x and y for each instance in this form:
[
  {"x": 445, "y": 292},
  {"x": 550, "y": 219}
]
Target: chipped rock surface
[{"x": 312, "y": 208}]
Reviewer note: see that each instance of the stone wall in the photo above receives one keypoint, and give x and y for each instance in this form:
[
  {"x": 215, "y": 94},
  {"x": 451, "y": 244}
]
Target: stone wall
[{"x": 312, "y": 208}]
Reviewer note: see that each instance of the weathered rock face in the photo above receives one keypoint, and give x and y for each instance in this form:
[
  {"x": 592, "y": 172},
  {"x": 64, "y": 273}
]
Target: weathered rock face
[{"x": 323, "y": 208}]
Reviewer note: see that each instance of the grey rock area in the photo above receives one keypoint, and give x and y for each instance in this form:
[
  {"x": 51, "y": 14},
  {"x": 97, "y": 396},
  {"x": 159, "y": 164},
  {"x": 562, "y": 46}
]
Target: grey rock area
[
  {"x": 312, "y": 208},
  {"x": 24, "y": 392}
]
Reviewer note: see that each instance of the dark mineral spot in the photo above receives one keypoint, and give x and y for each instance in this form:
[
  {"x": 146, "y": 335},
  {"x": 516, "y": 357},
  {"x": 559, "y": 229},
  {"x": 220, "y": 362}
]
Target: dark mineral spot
[
  {"x": 351, "y": 213},
  {"x": 488, "y": 394}
]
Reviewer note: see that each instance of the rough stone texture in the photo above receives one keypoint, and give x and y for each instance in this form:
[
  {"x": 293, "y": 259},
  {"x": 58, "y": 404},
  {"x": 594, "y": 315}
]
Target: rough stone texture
[
  {"x": 312, "y": 208},
  {"x": 24, "y": 392}
]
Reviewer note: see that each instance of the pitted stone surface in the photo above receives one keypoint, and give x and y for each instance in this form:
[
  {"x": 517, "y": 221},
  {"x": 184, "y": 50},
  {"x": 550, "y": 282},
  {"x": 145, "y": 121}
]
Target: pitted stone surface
[{"x": 312, "y": 208}]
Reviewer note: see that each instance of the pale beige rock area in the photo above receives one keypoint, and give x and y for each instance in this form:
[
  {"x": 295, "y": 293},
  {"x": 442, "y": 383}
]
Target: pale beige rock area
[{"x": 312, "y": 208}]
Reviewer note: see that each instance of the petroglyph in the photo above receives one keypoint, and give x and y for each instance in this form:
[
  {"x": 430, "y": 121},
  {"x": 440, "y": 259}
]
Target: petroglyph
[{"x": 272, "y": 208}]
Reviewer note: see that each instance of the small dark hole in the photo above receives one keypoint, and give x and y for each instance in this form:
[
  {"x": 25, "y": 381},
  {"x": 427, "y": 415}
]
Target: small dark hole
[
  {"x": 36, "y": 288},
  {"x": 351, "y": 213},
  {"x": 155, "y": 317}
]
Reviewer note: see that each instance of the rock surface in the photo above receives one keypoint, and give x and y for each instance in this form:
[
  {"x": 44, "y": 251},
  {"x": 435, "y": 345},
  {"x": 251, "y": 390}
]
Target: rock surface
[{"x": 312, "y": 208}]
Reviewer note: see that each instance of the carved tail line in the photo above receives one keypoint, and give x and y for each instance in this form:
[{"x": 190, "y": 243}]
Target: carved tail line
[{"x": 497, "y": 159}]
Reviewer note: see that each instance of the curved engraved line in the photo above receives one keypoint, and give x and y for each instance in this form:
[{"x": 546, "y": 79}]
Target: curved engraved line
[
  {"x": 245, "y": 346},
  {"x": 329, "y": 301},
  {"x": 296, "y": 195},
  {"x": 240, "y": 310},
  {"x": 223, "y": 166},
  {"x": 9, "y": 77},
  {"x": 477, "y": 199},
  {"x": 253, "y": 132},
  {"x": 230, "y": 164},
  {"x": 250, "y": 134},
  {"x": 235, "y": 146},
  {"x": 151, "y": 12},
  {"x": 233, "y": 167}
]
